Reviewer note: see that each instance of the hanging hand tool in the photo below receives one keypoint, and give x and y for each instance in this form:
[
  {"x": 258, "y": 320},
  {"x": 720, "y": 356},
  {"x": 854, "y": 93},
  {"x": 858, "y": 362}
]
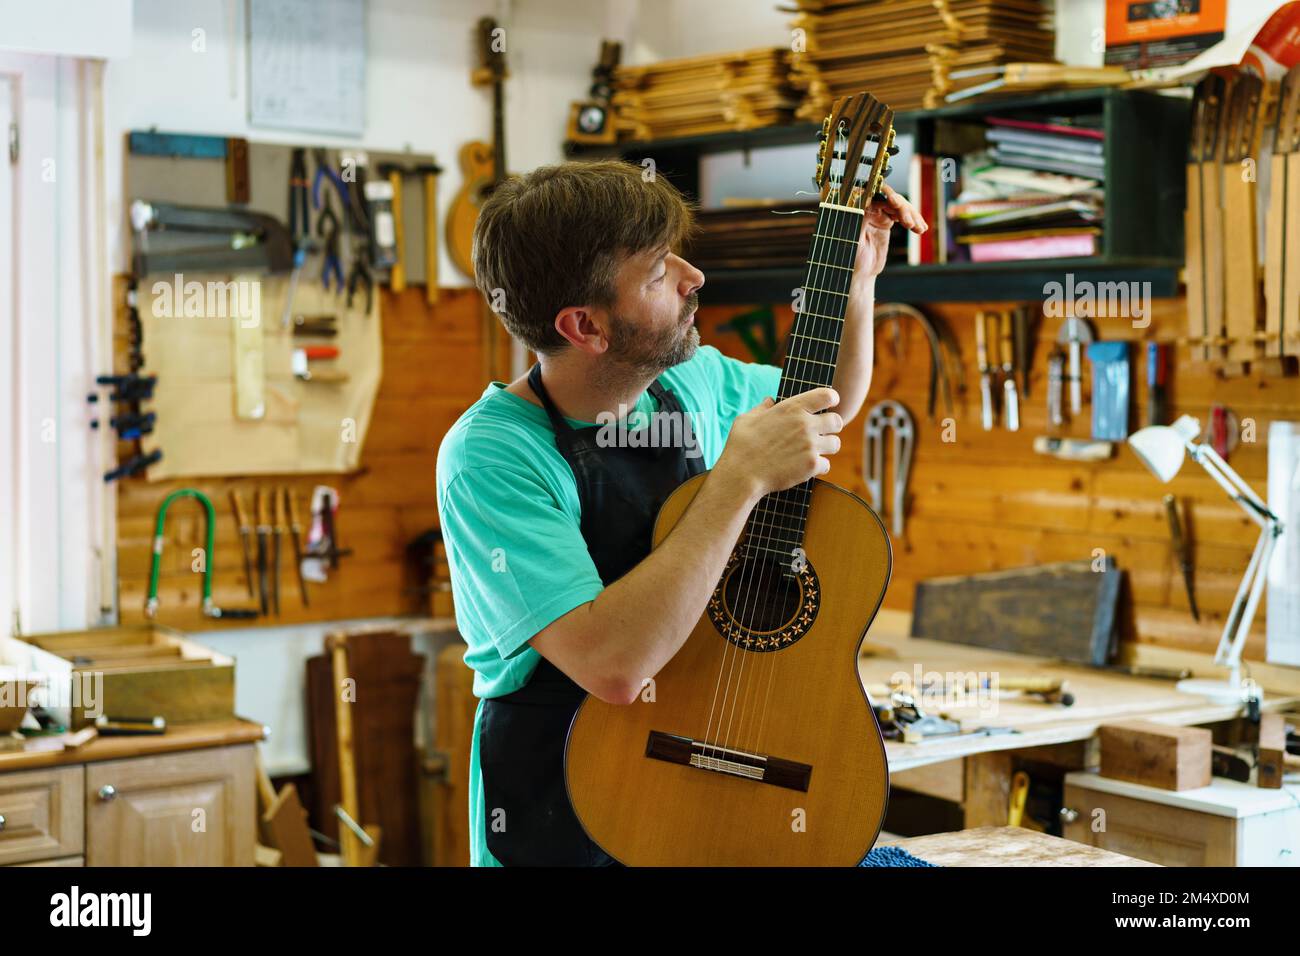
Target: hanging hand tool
[
  {"x": 1024, "y": 348},
  {"x": 361, "y": 276},
  {"x": 1183, "y": 552},
  {"x": 295, "y": 537},
  {"x": 245, "y": 536},
  {"x": 986, "y": 381},
  {"x": 1157, "y": 372},
  {"x": 943, "y": 351},
  {"x": 1075, "y": 333},
  {"x": 299, "y": 225},
  {"x": 321, "y": 326},
  {"x": 397, "y": 271},
  {"x": 277, "y": 507},
  {"x": 263, "y": 538},
  {"x": 889, "y": 414},
  {"x": 249, "y": 240},
  {"x": 328, "y": 224},
  {"x": 1011, "y": 397},
  {"x": 133, "y": 465},
  {"x": 1055, "y": 388},
  {"x": 209, "y": 558},
  {"x": 430, "y": 172}
]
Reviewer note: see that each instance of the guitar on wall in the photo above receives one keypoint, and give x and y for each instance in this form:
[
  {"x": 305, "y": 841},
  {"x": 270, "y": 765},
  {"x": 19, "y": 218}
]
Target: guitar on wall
[
  {"x": 482, "y": 166},
  {"x": 760, "y": 747}
]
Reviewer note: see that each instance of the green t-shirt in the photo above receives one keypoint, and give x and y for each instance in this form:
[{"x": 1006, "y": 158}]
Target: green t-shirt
[{"x": 511, "y": 523}]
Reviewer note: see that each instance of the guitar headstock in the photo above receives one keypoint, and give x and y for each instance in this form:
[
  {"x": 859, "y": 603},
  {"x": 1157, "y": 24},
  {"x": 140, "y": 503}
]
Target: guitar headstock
[
  {"x": 1243, "y": 117},
  {"x": 857, "y": 139},
  {"x": 1207, "y": 105},
  {"x": 492, "y": 50},
  {"x": 1287, "y": 130}
]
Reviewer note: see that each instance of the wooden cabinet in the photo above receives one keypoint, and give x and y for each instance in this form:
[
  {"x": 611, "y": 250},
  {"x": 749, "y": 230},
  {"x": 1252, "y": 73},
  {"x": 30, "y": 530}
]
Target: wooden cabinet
[
  {"x": 1224, "y": 824},
  {"x": 41, "y": 813},
  {"x": 185, "y": 798},
  {"x": 187, "y": 809}
]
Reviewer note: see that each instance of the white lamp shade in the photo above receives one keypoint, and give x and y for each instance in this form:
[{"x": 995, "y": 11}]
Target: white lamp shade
[{"x": 1161, "y": 447}]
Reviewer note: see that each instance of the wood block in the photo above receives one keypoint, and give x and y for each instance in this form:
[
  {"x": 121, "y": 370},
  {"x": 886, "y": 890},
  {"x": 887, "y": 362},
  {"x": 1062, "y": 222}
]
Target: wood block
[
  {"x": 1156, "y": 755},
  {"x": 1272, "y": 751}
]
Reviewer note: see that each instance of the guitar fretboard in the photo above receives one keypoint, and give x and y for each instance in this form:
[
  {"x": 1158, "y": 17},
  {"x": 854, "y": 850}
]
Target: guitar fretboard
[{"x": 776, "y": 525}]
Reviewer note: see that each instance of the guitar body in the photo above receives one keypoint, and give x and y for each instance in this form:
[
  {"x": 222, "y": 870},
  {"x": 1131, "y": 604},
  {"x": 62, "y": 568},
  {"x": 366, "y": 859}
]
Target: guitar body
[
  {"x": 801, "y": 707},
  {"x": 477, "y": 175}
]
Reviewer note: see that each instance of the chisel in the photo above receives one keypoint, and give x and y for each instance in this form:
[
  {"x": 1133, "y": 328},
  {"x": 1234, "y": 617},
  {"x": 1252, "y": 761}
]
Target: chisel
[
  {"x": 1182, "y": 551},
  {"x": 295, "y": 532},
  {"x": 1011, "y": 398},
  {"x": 277, "y": 506},
  {"x": 986, "y": 385},
  {"x": 263, "y": 534},
  {"x": 245, "y": 534}
]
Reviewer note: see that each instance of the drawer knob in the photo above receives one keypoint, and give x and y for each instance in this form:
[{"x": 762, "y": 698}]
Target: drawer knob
[
  {"x": 2, "y": 822},
  {"x": 1069, "y": 814},
  {"x": 107, "y": 792}
]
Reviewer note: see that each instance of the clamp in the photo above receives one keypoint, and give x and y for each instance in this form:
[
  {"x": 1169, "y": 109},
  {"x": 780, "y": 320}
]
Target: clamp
[{"x": 882, "y": 415}]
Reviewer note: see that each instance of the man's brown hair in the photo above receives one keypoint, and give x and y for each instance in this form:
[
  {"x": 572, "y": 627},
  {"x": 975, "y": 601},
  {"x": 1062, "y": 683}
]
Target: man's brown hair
[{"x": 554, "y": 238}]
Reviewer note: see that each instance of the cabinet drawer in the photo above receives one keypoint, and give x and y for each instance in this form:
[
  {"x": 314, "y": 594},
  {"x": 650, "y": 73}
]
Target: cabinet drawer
[
  {"x": 44, "y": 814},
  {"x": 196, "y": 808},
  {"x": 1170, "y": 836}
]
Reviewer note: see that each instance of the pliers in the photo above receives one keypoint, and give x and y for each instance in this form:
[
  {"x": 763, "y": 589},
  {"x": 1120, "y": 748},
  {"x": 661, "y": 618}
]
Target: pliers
[
  {"x": 327, "y": 223},
  {"x": 359, "y": 275}
]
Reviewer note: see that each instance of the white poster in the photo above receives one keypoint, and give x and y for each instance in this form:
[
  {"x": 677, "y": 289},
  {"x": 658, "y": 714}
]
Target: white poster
[{"x": 1284, "y": 568}]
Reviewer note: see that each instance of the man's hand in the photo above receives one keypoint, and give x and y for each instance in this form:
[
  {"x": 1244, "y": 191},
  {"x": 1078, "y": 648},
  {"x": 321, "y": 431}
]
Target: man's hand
[
  {"x": 873, "y": 244},
  {"x": 775, "y": 446}
]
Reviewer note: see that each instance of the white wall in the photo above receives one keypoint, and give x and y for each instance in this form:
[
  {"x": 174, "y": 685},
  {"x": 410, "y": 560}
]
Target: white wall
[{"x": 418, "y": 92}]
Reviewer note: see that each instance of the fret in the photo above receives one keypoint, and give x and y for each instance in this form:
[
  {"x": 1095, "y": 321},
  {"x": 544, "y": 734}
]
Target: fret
[
  {"x": 817, "y": 315},
  {"x": 800, "y": 358},
  {"x": 814, "y": 338},
  {"x": 818, "y": 235},
  {"x": 799, "y": 381},
  {"x": 811, "y": 288},
  {"x": 829, "y": 265}
]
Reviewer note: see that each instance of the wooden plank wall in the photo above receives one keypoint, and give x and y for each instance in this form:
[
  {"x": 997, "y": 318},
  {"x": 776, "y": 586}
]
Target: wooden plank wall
[
  {"x": 432, "y": 372},
  {"x": 986, "y": 501},
  {"x": 982, "y": 502}
]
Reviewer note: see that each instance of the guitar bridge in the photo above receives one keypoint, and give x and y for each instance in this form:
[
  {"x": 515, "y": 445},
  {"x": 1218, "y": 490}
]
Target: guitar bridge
[{"x": 702, "y": 755}]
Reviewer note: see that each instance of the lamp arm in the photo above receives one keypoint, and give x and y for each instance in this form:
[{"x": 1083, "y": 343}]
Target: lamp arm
[{"x": 1231, "y": 482}]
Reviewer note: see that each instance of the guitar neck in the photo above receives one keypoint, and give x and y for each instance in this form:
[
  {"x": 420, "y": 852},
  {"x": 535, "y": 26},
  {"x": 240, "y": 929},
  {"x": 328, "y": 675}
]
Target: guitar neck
[
  {"x": 498, "y": 131},
  {"x": 776, "y": 525}
]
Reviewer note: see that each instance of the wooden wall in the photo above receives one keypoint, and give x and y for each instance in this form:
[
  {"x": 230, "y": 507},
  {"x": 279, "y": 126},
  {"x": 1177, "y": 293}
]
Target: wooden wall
[
  {"x": 982, "y": 502},
  {"x": 432, "y": 372},
  {"x": 986, "y": 501}
]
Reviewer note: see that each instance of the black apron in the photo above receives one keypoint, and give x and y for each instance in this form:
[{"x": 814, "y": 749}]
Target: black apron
[{"x": 522, "y": 734}]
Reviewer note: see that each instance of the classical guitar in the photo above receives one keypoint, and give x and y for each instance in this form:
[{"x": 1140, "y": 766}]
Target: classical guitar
[
  {"x": 756, "y": 744},
  {"x": 482, "y": 165}
]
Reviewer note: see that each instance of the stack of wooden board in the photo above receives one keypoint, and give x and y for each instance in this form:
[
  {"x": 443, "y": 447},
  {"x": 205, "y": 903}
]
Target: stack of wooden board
[
  {"x": 719, "y": 92},
  {"x": 904, "y": 50},
  {"x": 753, "y": 237}
]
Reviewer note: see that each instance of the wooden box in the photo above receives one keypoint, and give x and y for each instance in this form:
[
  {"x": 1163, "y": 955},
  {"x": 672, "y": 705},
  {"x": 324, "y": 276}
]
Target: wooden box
[
  {"x": 1156, "y": 755},
  {"x": 138, "y": 671}
]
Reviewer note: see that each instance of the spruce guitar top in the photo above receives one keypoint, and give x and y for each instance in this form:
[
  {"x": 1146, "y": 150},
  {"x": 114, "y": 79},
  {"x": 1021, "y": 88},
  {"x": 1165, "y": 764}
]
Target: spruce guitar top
[{"x": 760, "y": 747}]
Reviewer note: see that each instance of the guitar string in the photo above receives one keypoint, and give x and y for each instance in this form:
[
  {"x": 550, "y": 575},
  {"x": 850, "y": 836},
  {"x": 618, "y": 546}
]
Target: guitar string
[
  {"x": 834, "y": 340},
  {"x": 731, "y": 651},
  {"x": 763, "y": 522},
  {"x": 820, "y": 308},
  {"x": 845, "y": 226}
]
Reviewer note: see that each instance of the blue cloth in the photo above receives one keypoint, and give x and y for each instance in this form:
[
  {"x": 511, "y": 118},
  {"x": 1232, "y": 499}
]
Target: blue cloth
[{"x": 892, "y": 856}]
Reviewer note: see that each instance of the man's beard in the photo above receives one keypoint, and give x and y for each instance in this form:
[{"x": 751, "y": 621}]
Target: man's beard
[{"x": 632, "y": 352}]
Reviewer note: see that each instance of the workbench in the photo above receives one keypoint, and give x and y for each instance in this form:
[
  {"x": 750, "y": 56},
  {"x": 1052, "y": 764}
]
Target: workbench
[
  {"x": 1007, "y": 846},
  {"x": 975, "y": 770}
]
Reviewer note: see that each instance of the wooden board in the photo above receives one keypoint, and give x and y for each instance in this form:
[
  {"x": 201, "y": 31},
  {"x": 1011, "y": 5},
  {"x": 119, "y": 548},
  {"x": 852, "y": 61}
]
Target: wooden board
[{"x": 1057, "y": 610}]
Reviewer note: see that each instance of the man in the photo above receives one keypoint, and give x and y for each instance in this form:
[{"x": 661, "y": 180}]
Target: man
[{"x": 547, "y": 521}]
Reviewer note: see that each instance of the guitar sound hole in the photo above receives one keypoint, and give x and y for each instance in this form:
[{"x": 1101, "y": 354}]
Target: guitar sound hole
[{"x": 762, "y": 605}]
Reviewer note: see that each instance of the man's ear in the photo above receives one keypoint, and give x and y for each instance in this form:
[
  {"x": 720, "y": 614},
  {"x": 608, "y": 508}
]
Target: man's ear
[{"x": 584, "y": 328}]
